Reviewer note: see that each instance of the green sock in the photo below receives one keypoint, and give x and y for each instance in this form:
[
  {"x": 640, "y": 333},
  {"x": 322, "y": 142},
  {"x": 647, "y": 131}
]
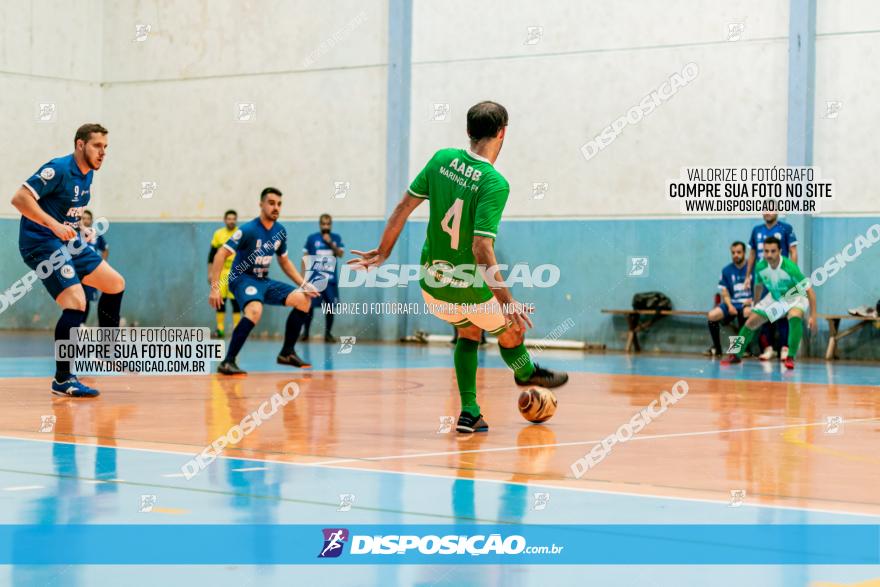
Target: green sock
[
  {"x": 519, "y": 360},
  {"x": 795, "y": 333},
  {"x": 748, "y": 334},
  {"x": 466, "y": 374}
]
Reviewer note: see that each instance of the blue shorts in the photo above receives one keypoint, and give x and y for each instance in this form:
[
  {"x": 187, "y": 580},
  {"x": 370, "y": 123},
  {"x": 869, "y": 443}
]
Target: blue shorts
[
  {"x": 247, "y": 289},
  {"x": 61, "y": 267},
  {"x": 726, "y": 311}
]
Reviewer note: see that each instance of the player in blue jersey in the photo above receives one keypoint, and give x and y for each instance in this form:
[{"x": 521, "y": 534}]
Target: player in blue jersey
[
  {"x": 778, "y": 229},
  {"x": 254, "y": 244},
  {"x": 320, "y": 253},
  {"x": 51, "y": 203},
  {"x": 736, "y": 298},
  {"x": 784, "y": 233}
]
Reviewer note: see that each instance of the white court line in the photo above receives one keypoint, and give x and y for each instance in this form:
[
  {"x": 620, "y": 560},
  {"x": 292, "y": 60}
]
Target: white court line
[
  {"x": 581, "y": 442},
  {"x": 248, "y": 469},
  {"x": 450, "y": 478},
  {"x": 23, "y": 488},
  {"x": 171, "y": 475}
]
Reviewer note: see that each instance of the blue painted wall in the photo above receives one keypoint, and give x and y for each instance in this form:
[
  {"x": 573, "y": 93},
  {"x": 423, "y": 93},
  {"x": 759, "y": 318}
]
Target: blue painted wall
[{"x": 165, "y": 268}]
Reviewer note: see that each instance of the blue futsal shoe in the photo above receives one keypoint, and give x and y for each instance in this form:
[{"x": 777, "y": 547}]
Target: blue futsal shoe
[{"x": 73, "y": 388}]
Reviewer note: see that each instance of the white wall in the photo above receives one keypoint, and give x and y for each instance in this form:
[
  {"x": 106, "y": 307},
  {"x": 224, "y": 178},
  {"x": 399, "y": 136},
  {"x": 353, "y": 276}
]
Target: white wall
[
  {"x": 317, "y": 79},
  {"x": 171, "y": 104},
  {"x": 51, "y": 39},
  {"x": 846, "y": 145},
  {"x": 50, "y": 52},
  {"x": 594, "y": 62}
]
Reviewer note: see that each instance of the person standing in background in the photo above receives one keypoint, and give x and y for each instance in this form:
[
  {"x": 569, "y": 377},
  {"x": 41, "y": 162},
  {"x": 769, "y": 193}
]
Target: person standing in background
[
  {"x": 320, "y": 253},
  {"x": 221, "y": 235}
]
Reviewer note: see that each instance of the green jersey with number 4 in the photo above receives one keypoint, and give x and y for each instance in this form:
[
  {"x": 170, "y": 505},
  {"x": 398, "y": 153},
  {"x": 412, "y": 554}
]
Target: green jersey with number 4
[{"x": 466, "y": 195}]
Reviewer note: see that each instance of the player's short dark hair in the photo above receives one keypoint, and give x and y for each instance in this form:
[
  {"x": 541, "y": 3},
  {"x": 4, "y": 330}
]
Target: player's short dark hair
[
  {"x": 485, "y": 119},
  {"x": 86, "y": 131},
  {"x": 270, "y": 190},
  {"x": 87, "y": 211},
  {"x": 325, "y": 215},
  {"x": 228, "y": 212},
  {"x": 738, "y": 244},
  {"x": 772, "y": 240}
]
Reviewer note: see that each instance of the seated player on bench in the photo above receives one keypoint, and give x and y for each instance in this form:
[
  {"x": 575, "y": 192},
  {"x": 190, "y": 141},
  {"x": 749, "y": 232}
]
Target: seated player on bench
[{"x": 736, "y": 299}]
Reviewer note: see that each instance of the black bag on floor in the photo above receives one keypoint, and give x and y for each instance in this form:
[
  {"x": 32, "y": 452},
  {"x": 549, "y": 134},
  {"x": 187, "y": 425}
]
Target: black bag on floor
[{"x": 651, "y": 300}]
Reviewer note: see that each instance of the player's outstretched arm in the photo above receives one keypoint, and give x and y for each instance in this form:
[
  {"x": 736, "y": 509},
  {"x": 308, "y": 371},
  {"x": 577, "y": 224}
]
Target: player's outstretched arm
[
  {"x": 290, "y": 270},
  {"x": 25, "y": 203},
  {"x": 214, "y": 274},
  {"x": 484, "y": 254},
  {"x": 392, "y": 232}
]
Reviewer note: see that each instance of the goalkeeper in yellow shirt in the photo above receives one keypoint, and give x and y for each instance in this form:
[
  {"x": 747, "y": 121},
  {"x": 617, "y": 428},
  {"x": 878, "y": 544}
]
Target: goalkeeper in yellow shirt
[{"x": 221, "y": 235}]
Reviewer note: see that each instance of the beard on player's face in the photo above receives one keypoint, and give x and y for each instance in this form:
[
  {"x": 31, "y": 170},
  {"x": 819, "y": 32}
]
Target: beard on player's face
[{"x": 93, "y": 158}]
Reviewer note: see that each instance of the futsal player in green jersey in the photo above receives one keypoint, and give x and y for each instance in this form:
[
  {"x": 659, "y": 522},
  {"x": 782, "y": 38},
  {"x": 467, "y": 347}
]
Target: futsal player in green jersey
[
  {"x": 460, "y": 282},
  {"x": 788, "y": 294}
]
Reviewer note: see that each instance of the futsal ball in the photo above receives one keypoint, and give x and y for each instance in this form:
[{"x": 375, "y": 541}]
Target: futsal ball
[{"x": 537, "y": 404}]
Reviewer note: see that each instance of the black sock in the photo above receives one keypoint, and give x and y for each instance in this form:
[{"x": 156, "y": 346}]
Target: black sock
[
  {"x": 239, "y": 335},
  {"x": 328, "y": 323},
  {"x": 715, "y": 331},
  {"x": 69, "y": 319},
  {"x": 108, "y": 309},
  {"x": 294, "y": 324},
  {"x": 307, "y": 323}
]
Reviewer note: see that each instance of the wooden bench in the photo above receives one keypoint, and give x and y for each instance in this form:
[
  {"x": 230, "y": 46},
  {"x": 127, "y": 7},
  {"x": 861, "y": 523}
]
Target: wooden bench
[
  {"x": 635, "y": 324},
  {"x": 834, "y": 334}
]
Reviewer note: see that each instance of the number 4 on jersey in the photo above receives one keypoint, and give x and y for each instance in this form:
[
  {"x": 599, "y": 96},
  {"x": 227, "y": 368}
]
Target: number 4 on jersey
[{"x": 451, "y": 222}]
